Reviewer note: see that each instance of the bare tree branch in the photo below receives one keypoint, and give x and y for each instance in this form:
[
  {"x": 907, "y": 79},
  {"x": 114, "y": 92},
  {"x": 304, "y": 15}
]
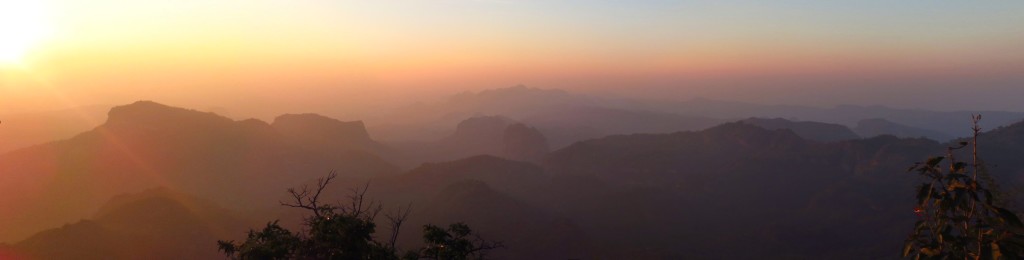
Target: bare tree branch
[
  {"x": 305, "y": 199},
  {"x": 482, "y": 246},
  {"x": 361, "y": 207},
  {"x": 395, "y": 220}
]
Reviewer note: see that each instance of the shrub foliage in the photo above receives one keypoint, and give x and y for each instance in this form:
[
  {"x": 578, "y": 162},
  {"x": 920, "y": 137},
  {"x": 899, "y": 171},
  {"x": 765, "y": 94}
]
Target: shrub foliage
[
  {"x": 346, "y": 232},
  {"x": 960, "y": 217}
]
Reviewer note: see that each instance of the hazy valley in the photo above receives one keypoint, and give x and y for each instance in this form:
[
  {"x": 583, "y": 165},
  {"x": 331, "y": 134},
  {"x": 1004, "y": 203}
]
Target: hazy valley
[
  {"x": 554, "y": 175},
  {"x": 511, "y": 129}
]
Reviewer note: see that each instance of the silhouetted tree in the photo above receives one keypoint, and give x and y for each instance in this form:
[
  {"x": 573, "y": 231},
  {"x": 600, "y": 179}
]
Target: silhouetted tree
[
  {"x": 959, "y": 218},
  {"x": 457, "y": 242},
  {"x": 333, "y": 232},
  {"x": 345, "y": 232},
  {"x": 273, "y": 242}
]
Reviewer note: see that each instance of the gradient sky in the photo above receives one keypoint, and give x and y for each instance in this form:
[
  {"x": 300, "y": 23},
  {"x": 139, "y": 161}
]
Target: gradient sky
[{"x": 308, "y": 55}]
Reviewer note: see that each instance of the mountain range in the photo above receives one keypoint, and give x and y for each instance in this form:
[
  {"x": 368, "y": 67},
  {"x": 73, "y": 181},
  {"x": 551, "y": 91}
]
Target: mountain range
[
  {"x": 156, "y": 179},
  {"x": 566, "y": 117}
]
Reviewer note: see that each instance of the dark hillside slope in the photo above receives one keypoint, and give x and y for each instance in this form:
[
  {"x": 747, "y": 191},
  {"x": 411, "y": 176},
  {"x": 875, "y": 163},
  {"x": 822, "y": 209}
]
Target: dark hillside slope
[
  {"x": 563, "y": 117},
  {"x": 822, "y": 132},
  {"x": 877, "y": 126},
  {"x": 480, "y": 135},
  {"x": 697, "y": 194},
  {"x": 155, "y": 224},
  {"x": 146, "y": 145},
  {"x": 326, "y": 134},
  {"x": 496, "y": 197}
]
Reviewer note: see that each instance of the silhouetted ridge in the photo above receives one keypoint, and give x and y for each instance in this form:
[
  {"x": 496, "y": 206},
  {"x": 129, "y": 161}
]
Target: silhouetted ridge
[
  {"x": 321, "y": 126},
  {"x": 157, "y": 210},
  {"x": 85, "y": 239},
  {"x": 516, "y": 93},
  {"x": 154, "y": 224},
  {"x": 1001, "y": 149},
  {"x": 481, "y": 167},
  {"x": 152, "y": 114},
  {"x": 150, "y": 121},
  {"x": 160, "y": 203},
  {"x": 121, "y": 200},
  {"x": 535, "y": 232},
  {"x": 318, "y": 130},
  {"x": 430, "y": 178},
  {"x": 524, "y": 143},
  {"x": 467, "y": 190},
  {"x": 657, "y": 158},
  {"x": 822, "y": 132},
  {"x": 752, "y": 136},
  {"x": 769, "y": 186},
  {"x": 481, "y": 129},
  {"x": 145, "y": 145},
  {"x": 1013, "y": 133},
  {"x": 561, "y": 116},
  {"x": 712, "y": 183},
  {"x": 878, "y": 126},
  {"x": 481, "y": 135}
]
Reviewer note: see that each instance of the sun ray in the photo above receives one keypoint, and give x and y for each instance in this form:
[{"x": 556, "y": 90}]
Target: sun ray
[{"x": 23, "y": 26}]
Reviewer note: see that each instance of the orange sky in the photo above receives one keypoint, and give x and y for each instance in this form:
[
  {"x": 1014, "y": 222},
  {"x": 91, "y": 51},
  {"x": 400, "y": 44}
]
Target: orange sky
[{"x": 340, "y": 54}]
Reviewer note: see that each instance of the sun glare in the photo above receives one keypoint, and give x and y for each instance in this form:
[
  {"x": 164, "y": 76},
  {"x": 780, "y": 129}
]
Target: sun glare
[{"x": 23, "y": 25}]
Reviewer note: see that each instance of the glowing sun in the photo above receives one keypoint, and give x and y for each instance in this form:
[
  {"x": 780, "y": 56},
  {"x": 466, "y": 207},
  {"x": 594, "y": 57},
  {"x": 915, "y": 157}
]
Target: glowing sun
[{"x": 23, "y": 25}]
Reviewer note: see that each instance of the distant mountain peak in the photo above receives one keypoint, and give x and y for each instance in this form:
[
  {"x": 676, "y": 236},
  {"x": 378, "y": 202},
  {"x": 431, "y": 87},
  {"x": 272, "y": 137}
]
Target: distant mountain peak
[
  {"x": 514, "y": 93},
  {"x": 743, "y": 127},
  {"x": 482, "y": 125},
  {"x": 475, "y": 161},
  {"x": 754, "y": 136},
  {"x": 822, "y": 132},
  {"x": 879, "y": 126},
  {"x": 525, "y": 143},
  {"x": 1013, "y": 131},
  {"x": 145, "y": 106},
  {"x": 466, "y": 189},
  {"x": 314, "y": 130},
  {"x": 1018, "y": 126},
  {"x": 312, "y": 117},
  {"x": 321, "y": 124},
  {"x": 153, "y": 113},
  {"x": 522, "y": 89}
]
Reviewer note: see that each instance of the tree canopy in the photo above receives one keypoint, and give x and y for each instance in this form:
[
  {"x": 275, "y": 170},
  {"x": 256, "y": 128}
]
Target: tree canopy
[{"x": 345, "y": 232}]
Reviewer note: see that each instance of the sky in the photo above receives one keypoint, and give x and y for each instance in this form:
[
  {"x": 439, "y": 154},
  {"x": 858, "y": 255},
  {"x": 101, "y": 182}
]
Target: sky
[{"x": 274, "y": 56}]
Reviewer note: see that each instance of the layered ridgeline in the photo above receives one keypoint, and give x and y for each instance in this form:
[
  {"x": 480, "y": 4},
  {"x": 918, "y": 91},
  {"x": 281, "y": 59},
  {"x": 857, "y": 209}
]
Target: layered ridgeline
[
  {"x": 702, "y": 194},
  {"x": 948, "y": 123},
  {"x": 776, "y": 195},
  {"x": 823, "y": 132},
  {"x": 153, "y": 224},
  {"x": 145, "y": 145},
  {"x": 30, "y": 128},
  {"x": 480, "y": 135},
  {"x": 566, "y": 117},
  {"x": 694, "y": 194},
  {"x": 877, "y": 126},
  {"x": 562, "y": 117}
]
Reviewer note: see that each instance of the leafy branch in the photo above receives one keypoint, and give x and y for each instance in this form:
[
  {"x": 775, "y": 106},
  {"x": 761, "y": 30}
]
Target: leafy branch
[{"x": 958, "y": 217}]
